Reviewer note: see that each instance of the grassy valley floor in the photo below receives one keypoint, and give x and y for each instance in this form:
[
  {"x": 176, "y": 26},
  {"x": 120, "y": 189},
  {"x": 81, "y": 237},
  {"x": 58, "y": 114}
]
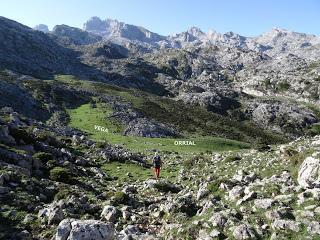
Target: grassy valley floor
[{"x": 86, "y": 118}]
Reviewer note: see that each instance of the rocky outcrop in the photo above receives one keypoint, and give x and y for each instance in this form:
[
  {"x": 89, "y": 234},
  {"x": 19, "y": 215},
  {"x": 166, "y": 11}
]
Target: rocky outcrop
[
  {"x": 281, "y": 117},
  {"x": 29, "y": 106},
  {"x": 76, "y": 36},
  {"x": 309, "y": 172},
  {"x": 110, "y": 213},
  {"x": 144, "y": 127},
  {"x": 117, "y": 153},
  {"x": 32, "y": 52},
  {"x": 212, "y": 101},
  {"x": 42, "y": 27},
  {"x": 72, "y": 229},
  {"x": 244, "y": 231},
  {"x": 113, "y": 29},
  {"x": 136, "y": 124}
]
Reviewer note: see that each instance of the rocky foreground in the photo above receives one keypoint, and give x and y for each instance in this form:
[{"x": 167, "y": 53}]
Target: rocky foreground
[{"x": 54, "y": 184}]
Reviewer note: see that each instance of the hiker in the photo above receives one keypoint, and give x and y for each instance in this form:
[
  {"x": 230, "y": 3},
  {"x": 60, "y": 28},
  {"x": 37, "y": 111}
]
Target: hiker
[{"x": 157, "y": 164}]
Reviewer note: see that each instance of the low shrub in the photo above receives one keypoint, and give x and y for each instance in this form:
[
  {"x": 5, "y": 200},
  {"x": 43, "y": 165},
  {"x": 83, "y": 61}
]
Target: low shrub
[
  {"x": 42, "y": 156},
  {"x": 261, "y": 146},
  {"x": 313, "y": 130},
  {"x": 166, "y": 187},
  {"x": 213, "y": 187},
  {"x": 21, "y": 134},
  {"x": 60, "y": 174},
  {"x": 62, "y": 194},
  {"x": 120, "y": 198},
  {"x": 289, "y": 152},
  {"x": 189, "y": 162},
  {"x": 232, "y": 158},
  {"x": 51, "y": 164}
]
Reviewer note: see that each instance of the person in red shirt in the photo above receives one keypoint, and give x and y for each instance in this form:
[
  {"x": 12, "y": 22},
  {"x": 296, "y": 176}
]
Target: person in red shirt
[{"x": 157, "y": 164}]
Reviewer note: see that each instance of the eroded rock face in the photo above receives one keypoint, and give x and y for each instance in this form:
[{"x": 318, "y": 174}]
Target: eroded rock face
[
  {"x": 110, "y": 28},
  {"x": 286, "y": 225},
  {"x": 75, "y": 35},
  {"x": 144, "y": 127},
  {"x": 265, "y": 203},
  {"x": 53, "y": 213},
  {"x": 4, "y": 135},
  {"x": 211, "y": 101},
  {"x": 309, "y": 172},
  {"x": 281, "y": 117},
  {"x": 47, "y": 56},
  {"x": 244, "y": 231},
  {"x": 41, "y": 27},
  {"x": 139, "y": 125},
  {"x": 72, "y": 229},
  {"x": 219, "y": 219},
  {"x": 110, "y": 213},
  {"x": 162, "y": 185}
]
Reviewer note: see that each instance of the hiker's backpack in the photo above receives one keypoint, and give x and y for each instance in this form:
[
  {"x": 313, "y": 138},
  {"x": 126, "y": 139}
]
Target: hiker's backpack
[{"x": 156, "y": 160}]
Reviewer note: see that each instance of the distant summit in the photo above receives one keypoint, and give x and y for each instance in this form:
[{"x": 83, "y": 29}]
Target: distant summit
[
  {"x": 113, "y": 29},
  {"x": 74, "y": 35},
  {"x": 42, "y": 27}
]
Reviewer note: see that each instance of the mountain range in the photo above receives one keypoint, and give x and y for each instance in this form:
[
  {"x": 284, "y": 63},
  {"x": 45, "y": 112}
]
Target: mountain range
[
  {"x": 83, "y": 111},
  {"x": 276, "y": 41}
]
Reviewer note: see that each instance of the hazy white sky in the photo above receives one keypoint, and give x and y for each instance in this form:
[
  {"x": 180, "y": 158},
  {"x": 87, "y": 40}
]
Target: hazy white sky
[{"x": 246, "y": 17}]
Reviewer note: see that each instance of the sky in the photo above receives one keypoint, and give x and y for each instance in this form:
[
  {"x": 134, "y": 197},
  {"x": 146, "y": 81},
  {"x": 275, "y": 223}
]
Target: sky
[{"x": 166, "y": 17}]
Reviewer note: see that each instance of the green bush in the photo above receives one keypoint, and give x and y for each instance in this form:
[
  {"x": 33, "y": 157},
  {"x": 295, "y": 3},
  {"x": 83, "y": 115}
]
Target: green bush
[
  {"x": 101, "y": 144},
  {"x": 62, "y": 194},
  {"x": 60, "y": 174},
  {"x": 289, "y": 152},
  {"x": 313, "y": 130},
  {"x": 43, "y": 136},
  {"x": 42, "y": 156},
  {"x": 213, "y": 187},
  {"x": 232, "y": 158},
  {"x": 261, "y": 145},
  {"x": 51, "y": 164},
  {"x": 166, "y": 187},
  {"x": 120, "y": 198},
  {"x": 190, "y": 162},
  {"x": 283, "y": 86},
  {"x": 272, "y": 189},
  {"x": 21, "y": 134}
]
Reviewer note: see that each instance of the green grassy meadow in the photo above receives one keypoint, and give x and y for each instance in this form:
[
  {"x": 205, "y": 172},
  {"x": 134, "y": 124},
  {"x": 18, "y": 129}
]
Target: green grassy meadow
[{"x": 86, "y": 117}]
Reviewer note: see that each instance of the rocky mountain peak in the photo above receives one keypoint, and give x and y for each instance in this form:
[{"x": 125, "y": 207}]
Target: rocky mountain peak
[
  {"x": 75, "y": 35},
  {"x": 280, "y": 34},
  {"x": 231, "y": 34},
  {"x": 94, "y": 24},
  {"x": 120, "y": 31},
  {"x": 279, "y": 41},
  {"x": 42, "y": 27},
  {"x": 195, "y": 31}
]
